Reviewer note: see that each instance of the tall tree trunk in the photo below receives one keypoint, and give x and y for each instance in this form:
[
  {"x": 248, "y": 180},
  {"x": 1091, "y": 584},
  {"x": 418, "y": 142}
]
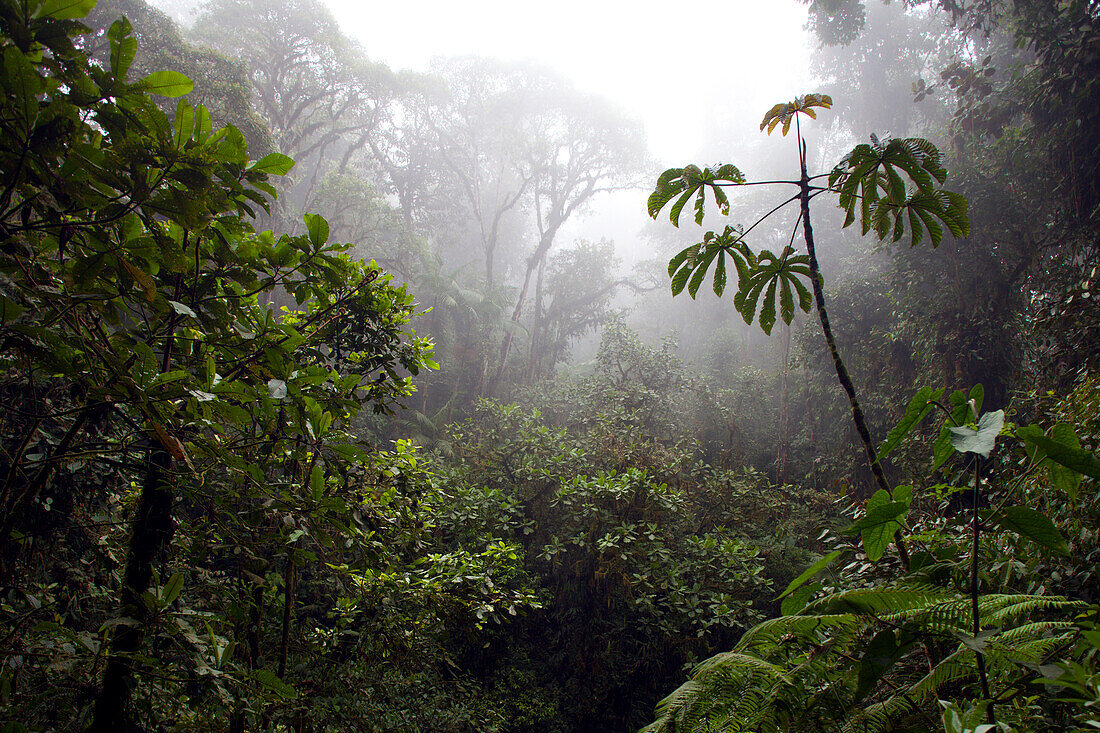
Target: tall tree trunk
[
  {"x": 545, "y": 242},
  {"x": 841, "y": 371},
  {"x": 783, "y": 456},
  {"x": 150, "y": 538},
  {"x": 533, "y": 357}
]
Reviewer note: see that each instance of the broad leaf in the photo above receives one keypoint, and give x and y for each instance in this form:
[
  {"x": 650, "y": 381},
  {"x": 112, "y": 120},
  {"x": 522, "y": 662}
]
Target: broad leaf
[
  {"x": 123, "y": 47},
  {"x": 1072, "y": 457},
  {"x": 979, "y": 440},
  {"x": 271, "y": 681},
  {"x": 275, "y": 164},
  {"x": 65, "y": 9},
  {"x": 317, "y": 228},
  {"x": 1034, "y": 525},
  {"x": 810, "y": 572},
  {"x": 960, "y": 411},
  {"x": 918, "y": 409},
  {"x": 167, "y": 84},
  {"x": 882, "y": 520},
  {"x": 172, "y": 589},
  {"x": 880, "y": 654}
]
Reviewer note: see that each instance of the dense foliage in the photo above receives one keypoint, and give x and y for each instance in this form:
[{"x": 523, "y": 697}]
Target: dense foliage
[{"x": 241, "y": 493}]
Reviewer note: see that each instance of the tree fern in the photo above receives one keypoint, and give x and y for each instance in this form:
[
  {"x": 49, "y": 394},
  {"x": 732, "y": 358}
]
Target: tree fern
[{"x": 791, "y": 664}]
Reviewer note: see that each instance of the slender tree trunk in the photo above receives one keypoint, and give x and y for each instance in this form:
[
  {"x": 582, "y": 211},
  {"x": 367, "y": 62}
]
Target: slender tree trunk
[
  {"x": 533, "y": 357},
  {"x": 841, "y": 371},
  {"x": 506, "y": 344},
  {"x": 290, "y": 588},
  {"x": 150, "y": 538},
  {"x": 784, "y": 454}
]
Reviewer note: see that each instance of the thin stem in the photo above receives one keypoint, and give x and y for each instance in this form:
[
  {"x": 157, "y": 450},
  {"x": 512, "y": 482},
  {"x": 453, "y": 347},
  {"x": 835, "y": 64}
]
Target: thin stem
[
  {"x": 841, "y": 370},
  {"x": 976, "y": 529}
]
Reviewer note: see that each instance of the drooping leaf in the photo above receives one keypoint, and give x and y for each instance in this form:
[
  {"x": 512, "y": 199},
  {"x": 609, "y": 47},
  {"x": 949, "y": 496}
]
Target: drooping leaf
[
  {"x": 880, "y": 654},
  {"x": 275, "y": 164},
  {"x": 869, "y": 180},
  {"x": 979, "y": 440},
  {"x": 683, "y": 183},
  {"x": 167, "y": 84},
  {"x": 784, "y": 112},
  {"x": 142, "y": 278},
  {"x": 915, "y": 412},
  {"x": 1034, "y": 525},
  {"x": 1063, "y": 477},
  {"x": 23, "y": 83},
  {"x": 184, "y": 123},
  {"x": 317, "y": 227}
]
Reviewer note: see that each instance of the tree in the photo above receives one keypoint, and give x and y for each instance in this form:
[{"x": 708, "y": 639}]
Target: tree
[
  {"x": 312, "y": 85},
  {"x": 135, "y": 341},
  {"x": 827, "y": 656},
  {"x": 869, "y": 185},
  {"x": 581, "y": 147}
]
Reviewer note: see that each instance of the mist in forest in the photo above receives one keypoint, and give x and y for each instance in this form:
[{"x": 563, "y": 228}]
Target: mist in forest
[{"x": 499, "y": 367}]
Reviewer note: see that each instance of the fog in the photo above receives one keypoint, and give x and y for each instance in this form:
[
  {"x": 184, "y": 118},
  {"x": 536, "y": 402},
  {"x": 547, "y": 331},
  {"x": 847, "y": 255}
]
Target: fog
[
  {"x": 498, "y": 158},
  {"x": 495, "y": 366}
]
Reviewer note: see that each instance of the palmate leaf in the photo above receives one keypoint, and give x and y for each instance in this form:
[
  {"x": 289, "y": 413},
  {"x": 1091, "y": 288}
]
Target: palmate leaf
[
  {"x": 683, "y": 183},
  {"x": 872, "y": 185},
  {"x": 688, "y": 268},
  {"x": 784, "y": 112},
  {"x": 770, "y": 275}
]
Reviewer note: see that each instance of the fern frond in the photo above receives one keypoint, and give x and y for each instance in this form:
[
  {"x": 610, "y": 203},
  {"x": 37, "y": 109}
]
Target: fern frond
[{"x": 879, "y": 602}]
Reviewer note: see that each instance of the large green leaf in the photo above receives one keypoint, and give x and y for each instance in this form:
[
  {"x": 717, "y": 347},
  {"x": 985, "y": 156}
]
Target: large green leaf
[
  {"x": 23, "y": 84},
  {"x": 882, "y": 520},
  {"x": 810, "y": 572},
  {"x": 317, "y": 227},
  {"x": 167, "y": 84},
  {"x": 683, "y": 183},
  {"x": 271, "y": 681},
  {"x": 65, "y": 9},
  {"x": 880, "y": 654},
  {"x": 1072, "y": 457},
  {"x": 275, "y": 164},
  {"x": 960, "y": 411},
  {"x": 123, "y": 47},
  {"x": 915, "y": 412},
  {"x": 1034, "y": 525}
]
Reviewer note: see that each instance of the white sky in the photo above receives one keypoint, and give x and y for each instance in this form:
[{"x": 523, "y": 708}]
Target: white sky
[{"x": 671, "y": 66}]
